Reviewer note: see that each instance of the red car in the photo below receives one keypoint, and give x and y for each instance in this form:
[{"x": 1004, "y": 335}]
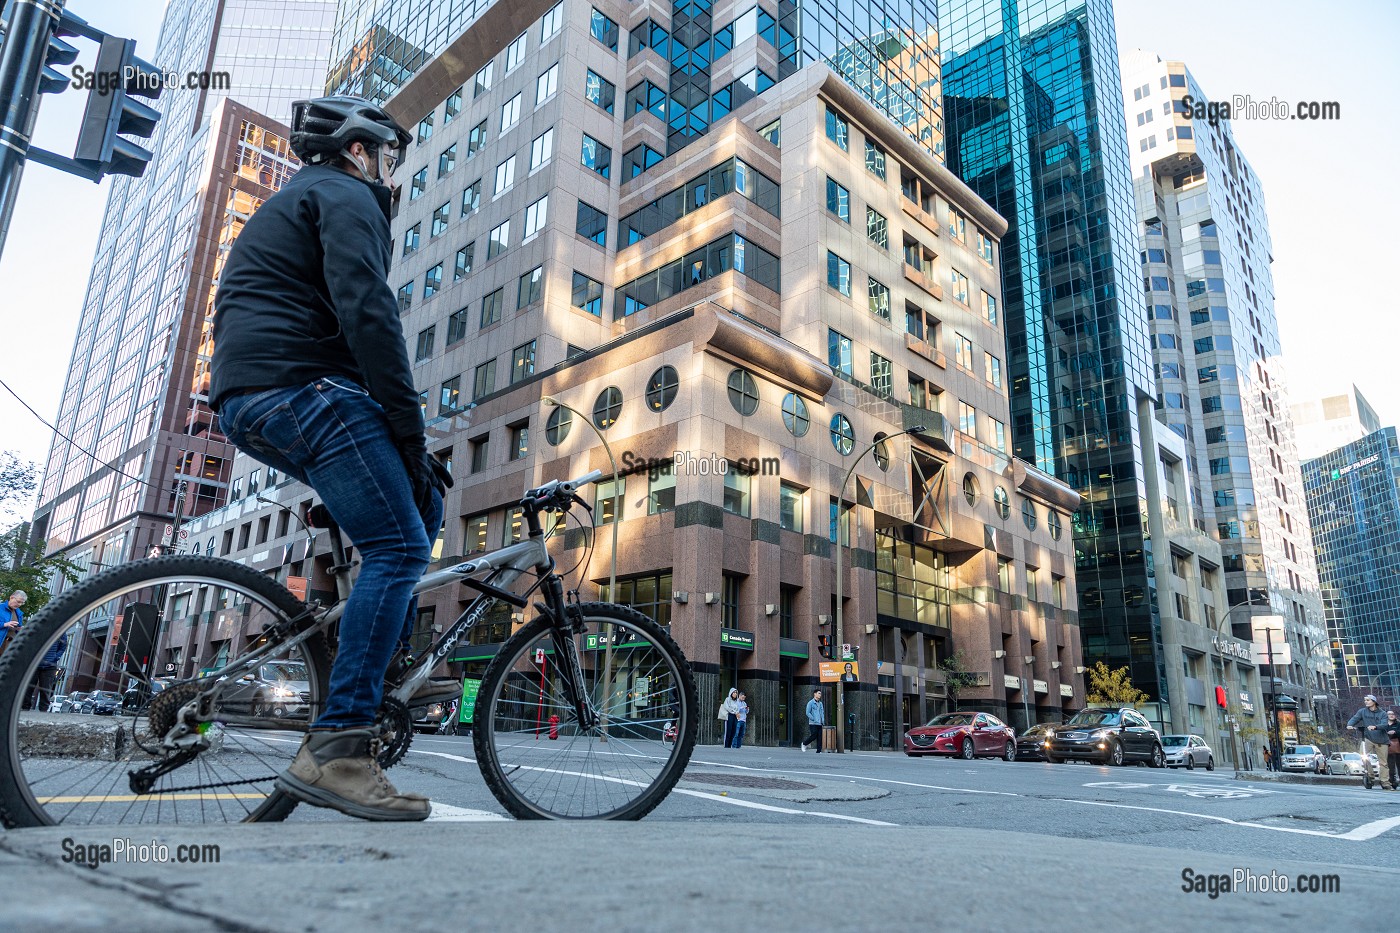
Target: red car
[{"x": 966, "y": 735}]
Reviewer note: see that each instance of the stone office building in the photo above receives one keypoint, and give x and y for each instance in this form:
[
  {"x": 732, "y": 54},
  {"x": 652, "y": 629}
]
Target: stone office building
[{"x": 800, "y": 282}]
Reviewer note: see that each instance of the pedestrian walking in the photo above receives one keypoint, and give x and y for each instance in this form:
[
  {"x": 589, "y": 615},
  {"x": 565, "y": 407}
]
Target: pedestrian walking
[
  {"x": 1268, "y": 758},
  {"x": 743, "y": 722},
  {"x": 816, "y": 719},
  {"x": 729, "y": 712},
  {"x": 11, "y": 617},
  {"x": 1392, "y": 731},
  {"x": 1371, "y": 721},
  {"x": 41, "y": 688}
]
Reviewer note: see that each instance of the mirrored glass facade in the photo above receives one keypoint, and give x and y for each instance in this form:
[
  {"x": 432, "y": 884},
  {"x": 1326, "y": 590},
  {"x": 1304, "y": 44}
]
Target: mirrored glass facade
[
  {"x": 1035, "y": 126},
  {"x": 1353, "y": 498}
]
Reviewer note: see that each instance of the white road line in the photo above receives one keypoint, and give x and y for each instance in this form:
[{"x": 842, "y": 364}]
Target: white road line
[
  {"x": 857, "y": 777},
  {"x": 1359, "y": 834},
  {"x": 446, "y": 813}
]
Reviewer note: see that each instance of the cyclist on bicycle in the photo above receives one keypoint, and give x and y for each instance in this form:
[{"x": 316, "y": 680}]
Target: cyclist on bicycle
[
  {"x": 1372, "y": 720},
  {"x": 311, "y": 376}
]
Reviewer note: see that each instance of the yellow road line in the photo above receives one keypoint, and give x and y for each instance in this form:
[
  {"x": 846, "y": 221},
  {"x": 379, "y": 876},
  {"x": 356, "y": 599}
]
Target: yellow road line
[{"x": 129, "y": 798}]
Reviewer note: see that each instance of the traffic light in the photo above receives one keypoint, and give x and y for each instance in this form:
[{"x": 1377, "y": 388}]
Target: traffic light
[
  {"x": 59, "y": 54},
  {"x": 112, "y": 113},
  {"x": 824, "y": 646}
]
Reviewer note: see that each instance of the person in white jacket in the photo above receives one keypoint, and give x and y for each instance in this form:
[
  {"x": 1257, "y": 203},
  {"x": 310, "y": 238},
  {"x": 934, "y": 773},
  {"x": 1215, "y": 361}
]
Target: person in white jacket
[{"x": 729, "y": 712}]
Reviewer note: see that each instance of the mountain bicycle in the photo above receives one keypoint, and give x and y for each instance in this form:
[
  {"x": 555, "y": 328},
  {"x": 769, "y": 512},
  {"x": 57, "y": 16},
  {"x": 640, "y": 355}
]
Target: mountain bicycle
[{"x": 570, "y": 718}]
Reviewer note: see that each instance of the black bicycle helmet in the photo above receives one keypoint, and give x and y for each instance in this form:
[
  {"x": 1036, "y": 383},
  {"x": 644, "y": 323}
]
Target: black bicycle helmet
[{"x": 325, "y": 127}]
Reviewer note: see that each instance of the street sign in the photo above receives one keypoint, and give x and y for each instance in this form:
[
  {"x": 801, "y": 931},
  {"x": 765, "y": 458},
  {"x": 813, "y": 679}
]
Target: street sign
[
  {"x": 539, "y": 656},
  {"x": 1283, "y": 653},
  {"x": 1260, "y": 623},
  {"x": 736, "y": 639}
]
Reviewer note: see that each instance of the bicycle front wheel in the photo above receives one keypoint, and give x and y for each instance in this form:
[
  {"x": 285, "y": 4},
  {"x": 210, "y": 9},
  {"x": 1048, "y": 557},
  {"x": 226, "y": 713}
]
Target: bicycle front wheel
[
  {"x": 542, "y": 763},
  {"x": 74, "y": 762}
]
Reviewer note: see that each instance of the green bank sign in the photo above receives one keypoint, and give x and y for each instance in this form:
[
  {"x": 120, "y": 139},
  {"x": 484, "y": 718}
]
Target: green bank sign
[
  {"x": 620, "y": 639},
  {"x": 735, "y": 639}
]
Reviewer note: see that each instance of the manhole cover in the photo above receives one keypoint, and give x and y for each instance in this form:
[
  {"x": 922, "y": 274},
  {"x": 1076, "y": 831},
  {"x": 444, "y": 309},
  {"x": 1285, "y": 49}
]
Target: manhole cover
[{"x": 748, "y": 780}]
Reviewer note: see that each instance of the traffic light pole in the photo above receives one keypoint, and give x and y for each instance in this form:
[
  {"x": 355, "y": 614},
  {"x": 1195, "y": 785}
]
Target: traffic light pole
[{"x": 27, "y": 36}]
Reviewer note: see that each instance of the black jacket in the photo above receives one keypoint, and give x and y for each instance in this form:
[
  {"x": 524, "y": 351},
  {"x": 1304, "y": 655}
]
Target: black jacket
[{"x": 305, "y": 294}]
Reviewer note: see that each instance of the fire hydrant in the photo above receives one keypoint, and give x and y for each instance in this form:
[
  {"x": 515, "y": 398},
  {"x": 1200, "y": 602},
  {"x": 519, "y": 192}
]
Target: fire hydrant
[{"x": 554, "y": 727}]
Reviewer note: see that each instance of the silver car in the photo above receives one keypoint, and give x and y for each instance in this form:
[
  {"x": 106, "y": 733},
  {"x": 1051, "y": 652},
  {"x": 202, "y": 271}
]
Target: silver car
[
  {"x": 1346, "y": 763},
  {"x": 1188, "y": 751},
  {"x": 1302, "y": 758}
]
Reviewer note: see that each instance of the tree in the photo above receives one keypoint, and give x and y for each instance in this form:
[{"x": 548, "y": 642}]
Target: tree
[
  {"x": 1113, "y": 686},
  {"x": 956, "y": 676},
  {"x": 18, "y": 480},
  {"x": 23, "y": 565}
]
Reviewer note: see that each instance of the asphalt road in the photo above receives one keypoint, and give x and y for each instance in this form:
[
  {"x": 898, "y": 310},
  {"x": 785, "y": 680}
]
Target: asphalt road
[{"x": 768, "y": 838}]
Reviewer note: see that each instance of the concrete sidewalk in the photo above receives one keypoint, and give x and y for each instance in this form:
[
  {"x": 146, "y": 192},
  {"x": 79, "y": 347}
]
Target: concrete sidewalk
[{"x": 650, "y": 876}]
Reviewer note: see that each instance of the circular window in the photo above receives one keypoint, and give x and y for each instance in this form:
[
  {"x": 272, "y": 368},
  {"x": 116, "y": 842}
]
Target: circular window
[
  {"x": 607, "y": 408},
  {"x": 557, "y": 426},
  {"x": 882, "y": 452},
  {"x": 1028, "y": 514},
  {"x": 1052, "y": 521},
  {"x": 661, "y": 388},
  {"x": 795, "y": 414},
  {"x": 1003, "y": 501},
  {"x": 971, "y": 492},
  {"x": 842, "y": 437},
  {"x": 743, "y": 392}
]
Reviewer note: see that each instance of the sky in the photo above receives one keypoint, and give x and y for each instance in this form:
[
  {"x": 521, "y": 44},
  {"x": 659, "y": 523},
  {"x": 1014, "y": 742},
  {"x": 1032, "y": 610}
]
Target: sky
[{"x": 1328, "y": 187}]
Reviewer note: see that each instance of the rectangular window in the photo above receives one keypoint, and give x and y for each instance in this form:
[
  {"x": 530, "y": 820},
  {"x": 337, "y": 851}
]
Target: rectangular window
[
  {"x": 499, "y": 240},
  {"x": 881, "y": 375},
  {"x": 989, "y": 308},
  {"x": 476, "y": 139},
  {"x": 480, "y": 452},
  {"x": 838, "y": 130},
  {"x": 550, "y": 22},
  {"x": 959, "y": 286},
  {"x": 471, "y": 197},
  {"x": 838, "y": 273},
  {"x": 452, "y": 107},
  {"x": 522, "y": 362},
  {"x": 491, "y": 307},
  {"x": 432, "y": 281},
  {"x": 514, "y": 530},
  {"x": 957, "y": 226},
  {"x": 425, "y": 129},
  {"x": 963, "y": 351},
  {"x": 967, "y": 419},
  {"x": 411, "y": 238},
  {"x": 484, "y": 79},
  {"x": 838, "y": 351},
  {"x": 843, "y": 519},
  {"x": 515, "y": 53},
  {"x": 998, "y": 434},
  {"x": 588, "y": 294},
  {"x": 773, "y": 132},
  {"x": 874, "y": 159},
  {"x": 993, "y": 369},
  {"x": 1004, "y": 574},
  {"x": 439, "y": 220},
  {"x": 599, "y": 90},
  {"x": 877, "y": 228},
  {"x": 546, "y": 84},
  {"x": 603, "y": 29},
  {"x": 592, "y": 224},
  {"x": 608, "y": 500},
  {"x": 419, "y": 184},
  {"x": 596, "y": 156},
  {"x": 918, "y": 392},
  {"x": 484, "y": 380},
  {"x": 791, "y": 506},
  {"x": 447, "y": 161},
  {"x": 879, "y": 299},
  {"x": 405, "y": 297},
  {"x": 424, "y": 349},
  {"x": 505, "y": 175},
  {"x": 530, "y": 288},
  {"x": 463, "y": 265},
  {"x": 457, "y": 326},
  {"x": 450, "y": 396},
  {"x": 519, "y": 441},
  {"x": 542, "y": 149},
  {"x": 510, "y": 113},
  {"x": 661, "y": 490},
  {"x": 535, "y": 216},
  {"x": 474, "y": 535},
  {"x": 838, "y": 199},
  {"x": 738, "y": 485},
  {"x": 984, "y": 246}
]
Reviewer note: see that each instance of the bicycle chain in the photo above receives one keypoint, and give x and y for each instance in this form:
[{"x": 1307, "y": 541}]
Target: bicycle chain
[{"x": 172, "y": 790}]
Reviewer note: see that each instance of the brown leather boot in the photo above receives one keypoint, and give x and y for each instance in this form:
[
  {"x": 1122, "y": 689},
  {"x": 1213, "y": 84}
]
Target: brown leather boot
[{"x": 340, "y": 770}]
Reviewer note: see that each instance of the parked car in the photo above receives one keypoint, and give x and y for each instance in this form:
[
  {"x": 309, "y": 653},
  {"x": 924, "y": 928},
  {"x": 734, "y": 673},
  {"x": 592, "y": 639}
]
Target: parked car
[
  {"x": 1030, "y": 745},
  {"x": 136, "y": 699},
  {"x": 1346, "y": 763},
  {"x": 1302, "y": 758},
  {"x": 103, "y": 703},
  {"x": 278, "y": 690},
  {"x": 74, "y": 702},
  {"x": 1188, "y": 751},
  {"x": 966, "y": 735},
  {"x": 1108, "y": 736},
  {"x": 428, "y": 718},
  {"x": 56, "y": 702}
]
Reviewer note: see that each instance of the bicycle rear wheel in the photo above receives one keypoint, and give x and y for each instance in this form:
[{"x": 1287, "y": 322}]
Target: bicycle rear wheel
[
  {"x": 537, "y": 758},
  {"x": 71, "y": 767}
]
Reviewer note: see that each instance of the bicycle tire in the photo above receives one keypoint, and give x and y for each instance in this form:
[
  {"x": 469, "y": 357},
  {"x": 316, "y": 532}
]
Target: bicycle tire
[
  {"x": 19, "y": 807},
  {"x": 636, "y": 738}
]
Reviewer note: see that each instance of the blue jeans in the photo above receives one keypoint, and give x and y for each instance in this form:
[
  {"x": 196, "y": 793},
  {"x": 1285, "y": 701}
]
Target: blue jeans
[
  {"x": 739, "y": 733},
  {"x": 333, "y": 437}
]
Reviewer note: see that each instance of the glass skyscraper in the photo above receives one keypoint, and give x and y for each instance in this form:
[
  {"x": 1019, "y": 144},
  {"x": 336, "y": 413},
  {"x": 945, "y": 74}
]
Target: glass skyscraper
[
  {"x": 1035, "y": 125},
  {"x": 1353, "y": 498}
]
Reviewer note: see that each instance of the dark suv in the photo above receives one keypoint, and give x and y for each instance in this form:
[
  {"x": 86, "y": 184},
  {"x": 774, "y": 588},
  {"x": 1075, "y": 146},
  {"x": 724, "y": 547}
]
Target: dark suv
[{"x": 1108, "y": 736}]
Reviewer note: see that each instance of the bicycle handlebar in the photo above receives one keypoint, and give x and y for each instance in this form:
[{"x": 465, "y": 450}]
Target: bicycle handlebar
[{"x": 560, "y": 490}]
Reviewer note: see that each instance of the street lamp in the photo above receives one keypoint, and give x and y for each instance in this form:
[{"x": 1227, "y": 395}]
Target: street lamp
[
  {"x": 612, "y": 570},
  {"x": 840, "y": 621},
  {"x": 1224, "y": 680}
]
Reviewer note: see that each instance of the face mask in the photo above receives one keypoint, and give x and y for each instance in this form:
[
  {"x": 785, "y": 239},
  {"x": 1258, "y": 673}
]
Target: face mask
[{"x": 383, "y": 193}]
